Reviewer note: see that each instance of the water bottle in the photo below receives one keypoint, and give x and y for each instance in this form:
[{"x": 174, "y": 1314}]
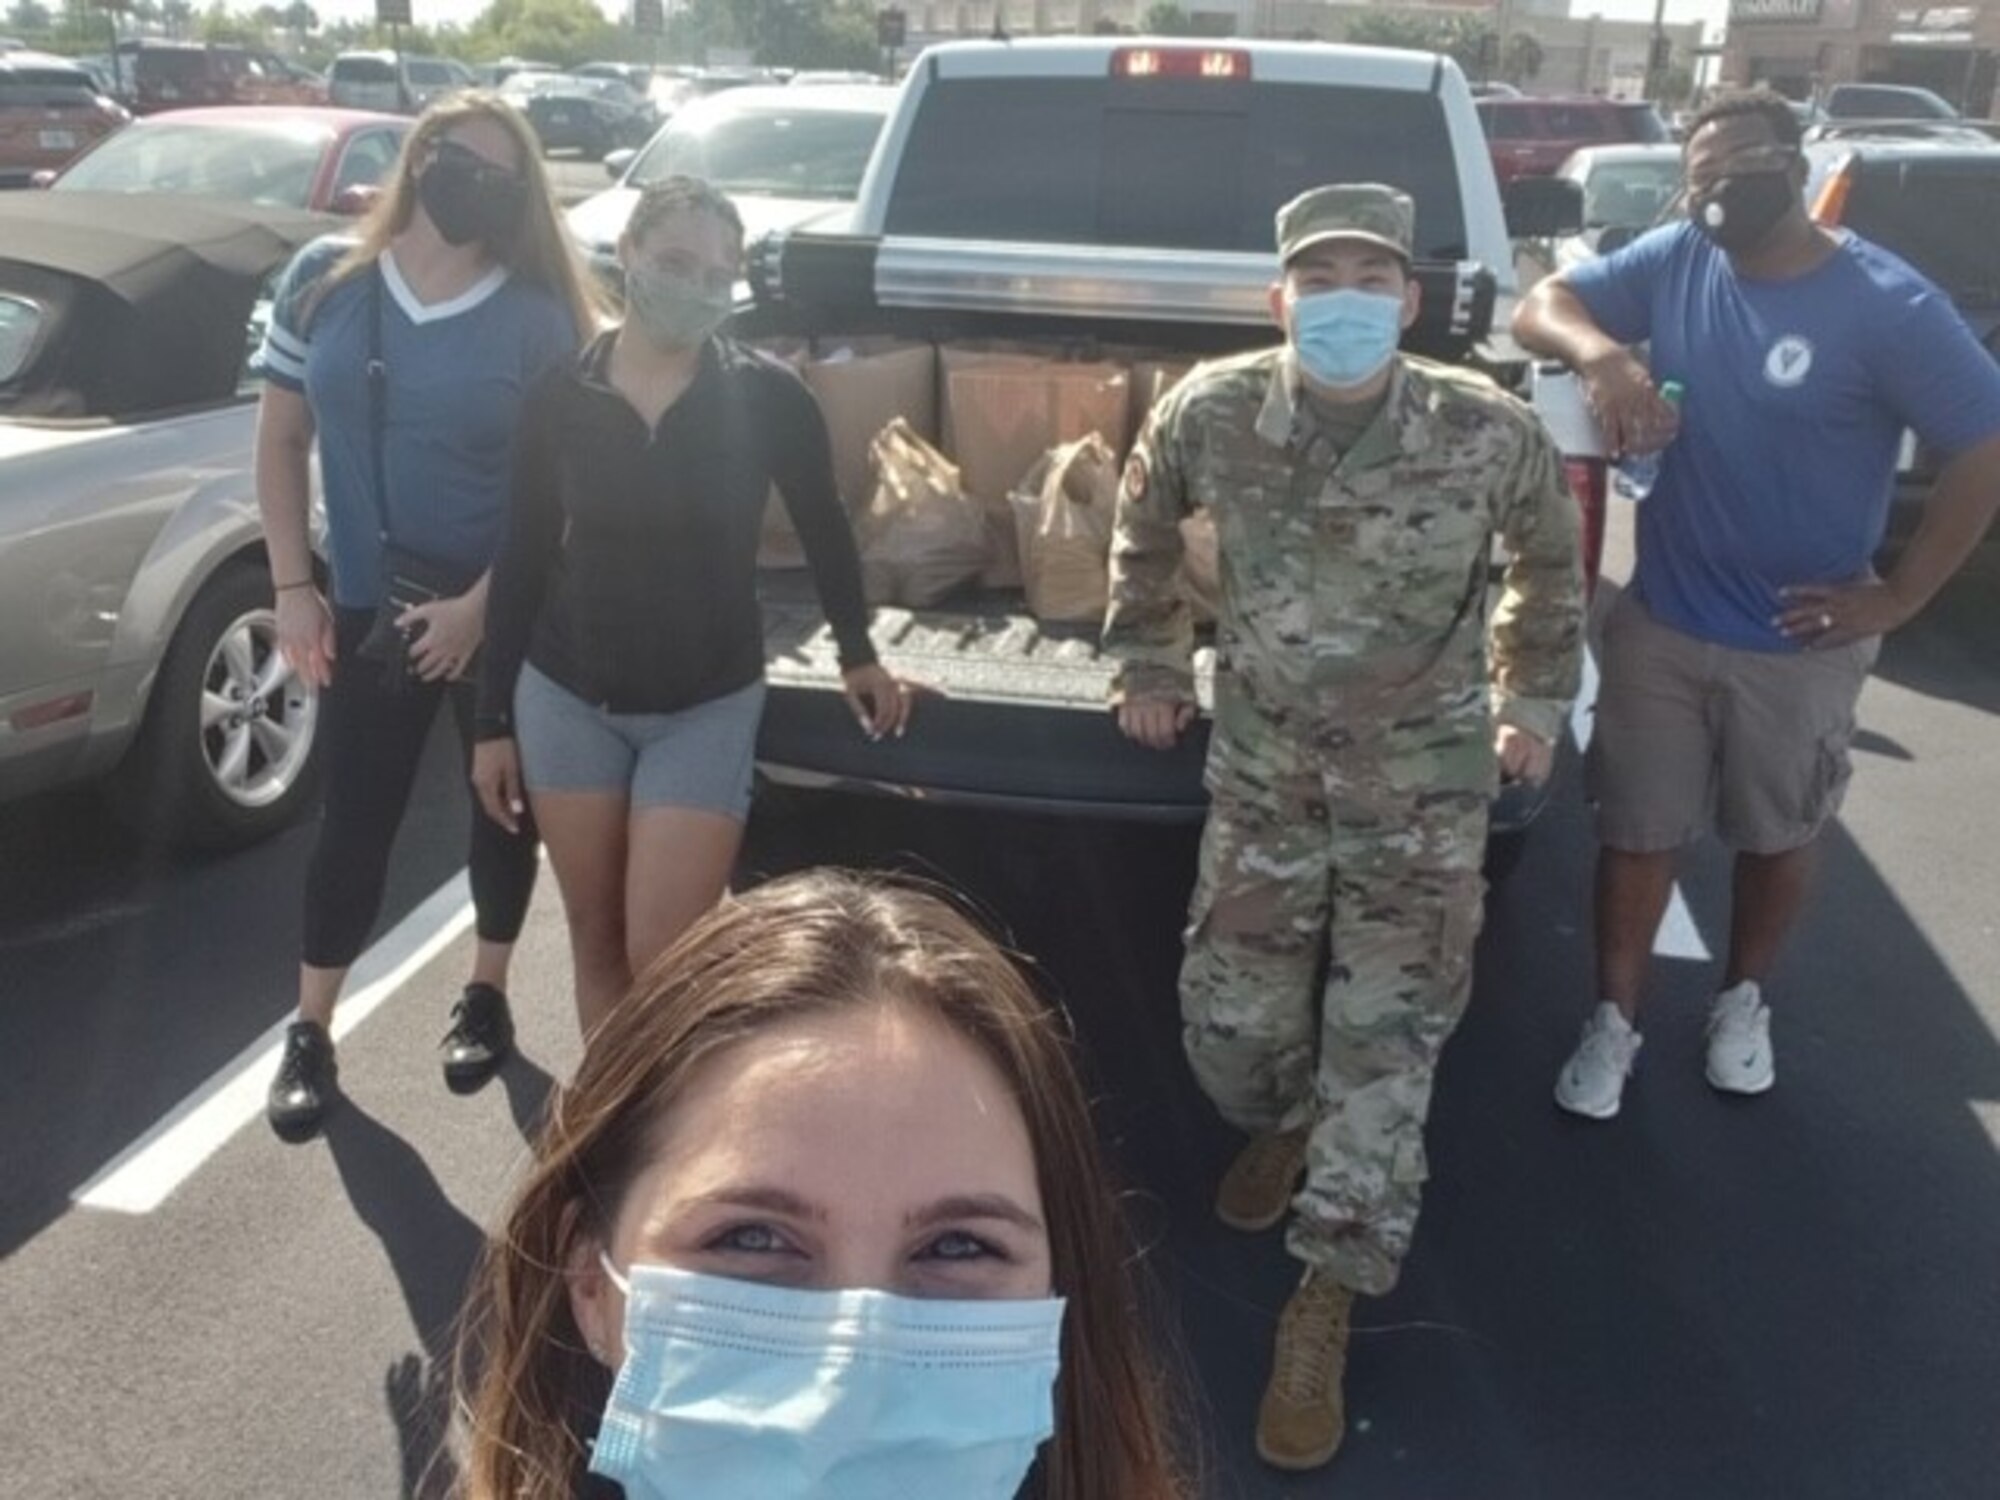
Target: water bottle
[{"x": 1636, "y": 472}]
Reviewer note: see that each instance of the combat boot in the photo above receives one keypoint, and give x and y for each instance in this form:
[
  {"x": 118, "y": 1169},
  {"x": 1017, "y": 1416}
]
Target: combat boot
[
  {"x": 1303, "y": 1415},
  {"x": 1258, "y": 1187}
]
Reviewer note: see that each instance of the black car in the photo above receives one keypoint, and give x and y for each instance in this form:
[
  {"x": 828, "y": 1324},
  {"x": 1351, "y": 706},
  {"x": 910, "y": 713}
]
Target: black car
[{"x": 591, "y": 115}]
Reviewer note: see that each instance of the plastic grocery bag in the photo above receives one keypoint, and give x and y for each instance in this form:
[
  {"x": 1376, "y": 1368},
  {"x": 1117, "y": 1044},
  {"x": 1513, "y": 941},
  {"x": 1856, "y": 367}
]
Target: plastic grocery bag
[
  {"x": 921, "y": 535},
  {"x": 1063, "y": 517}
]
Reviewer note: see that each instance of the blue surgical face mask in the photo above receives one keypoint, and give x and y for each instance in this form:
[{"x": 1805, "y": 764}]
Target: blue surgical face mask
[
  {"x": 738, "y": 1388},
  {"x": 1345, "y": 337}
]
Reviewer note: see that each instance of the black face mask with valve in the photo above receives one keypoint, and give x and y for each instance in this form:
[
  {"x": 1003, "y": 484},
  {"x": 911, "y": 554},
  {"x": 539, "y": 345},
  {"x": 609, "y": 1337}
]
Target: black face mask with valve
[
  {"x": 1740, "y": 212},
  {"x": 469, "y": 204}
]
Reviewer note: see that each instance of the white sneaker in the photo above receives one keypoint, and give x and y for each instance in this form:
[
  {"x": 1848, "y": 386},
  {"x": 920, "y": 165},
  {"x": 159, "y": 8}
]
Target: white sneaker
[
  {"x": 1739, "y": 1041},
  {"x": 1593, "y": 1080}
]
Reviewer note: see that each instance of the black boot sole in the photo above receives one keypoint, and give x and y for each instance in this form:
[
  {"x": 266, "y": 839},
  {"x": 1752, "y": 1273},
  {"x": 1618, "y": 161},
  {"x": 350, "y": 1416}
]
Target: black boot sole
[
  {"x": 471, "y": 1077},
  {"x": 296, "y": 1130}
]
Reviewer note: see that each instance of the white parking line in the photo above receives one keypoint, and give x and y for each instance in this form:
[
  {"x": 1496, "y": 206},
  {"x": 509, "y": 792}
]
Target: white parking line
[
  {"x": 1678, "y": 936},
  {"x": 142, "y": 1176}
]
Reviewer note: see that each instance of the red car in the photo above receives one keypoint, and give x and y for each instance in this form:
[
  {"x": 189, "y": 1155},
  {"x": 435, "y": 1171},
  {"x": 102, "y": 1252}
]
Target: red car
[
  {"x": 49, "y": 111},
  {"x": 331, "y": 160},
  {"x": 1530, "y": 137}
]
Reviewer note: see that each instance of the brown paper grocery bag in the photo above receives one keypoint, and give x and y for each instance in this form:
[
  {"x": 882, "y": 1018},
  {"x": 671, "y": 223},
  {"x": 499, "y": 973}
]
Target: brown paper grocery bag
[
  {"x": 1151, "y": 380},
  {"x": 920, "y": 535},
  {"x": 862, "y": 385},
  {"x": 1004, "y": 413},
  {"x": 1063, "y": 517}
]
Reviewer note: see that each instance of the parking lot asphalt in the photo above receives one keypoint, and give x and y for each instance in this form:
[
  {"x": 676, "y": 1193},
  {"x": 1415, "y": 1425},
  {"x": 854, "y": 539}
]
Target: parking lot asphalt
[{"x": 1714, "y": 1298}]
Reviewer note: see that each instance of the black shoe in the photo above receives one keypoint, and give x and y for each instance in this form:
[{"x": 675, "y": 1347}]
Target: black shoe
[
  {"x": 481, "y": 1036},
  {"x": 305, "y": 1085}
]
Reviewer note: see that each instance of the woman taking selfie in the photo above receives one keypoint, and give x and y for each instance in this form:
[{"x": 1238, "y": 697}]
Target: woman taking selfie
[
  {"x": 624, "y": 674},
  {"x": 405, "y": 353},
  {"x": 822, "y": 1215}
]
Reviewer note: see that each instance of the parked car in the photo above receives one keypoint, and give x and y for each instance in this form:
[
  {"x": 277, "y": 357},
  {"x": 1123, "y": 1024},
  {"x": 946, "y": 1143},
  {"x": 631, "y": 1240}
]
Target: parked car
[
  {"x": 330, "y": 160},
  {"x": 493, "y": 74},
  {"x": 138, "y": 644},
  {"x": 595, "y": 116},
  {"x": 635, "y": 76},
  {"x": 384, "y": 82},
  {"x": 49, "y": 111},
  {"x": 1533, "y": 137},
  {"x": 1624, "y": 188},
  {"x": 177, "y": 75},
  {"x": 821, "y": 77},
  {"x": 1935, "y": 205},
  {"x": 782, "y": 154},
  {"x": 1885, "y": 101}
]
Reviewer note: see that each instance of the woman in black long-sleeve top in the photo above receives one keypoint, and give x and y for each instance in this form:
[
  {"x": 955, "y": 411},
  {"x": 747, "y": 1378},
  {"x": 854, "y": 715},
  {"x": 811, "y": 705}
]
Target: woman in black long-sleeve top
[{"x": 624, "y": 673}]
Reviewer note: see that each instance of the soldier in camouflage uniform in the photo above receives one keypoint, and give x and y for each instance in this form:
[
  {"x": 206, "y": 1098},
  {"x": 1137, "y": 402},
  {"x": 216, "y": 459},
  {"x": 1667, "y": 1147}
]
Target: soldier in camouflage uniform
[{"x": 1361, "y": 726}]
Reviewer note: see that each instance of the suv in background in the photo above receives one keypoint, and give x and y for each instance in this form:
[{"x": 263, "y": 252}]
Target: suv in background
[
  {"x": 372, "y": 80},
  {"x": 1885, "y": 101},
  {"x": 1534, "y": 137},
  {"x": 50, "y": 110},
  {"x": 1932, "y": 203},
  {"x": 170, "y": 75}
]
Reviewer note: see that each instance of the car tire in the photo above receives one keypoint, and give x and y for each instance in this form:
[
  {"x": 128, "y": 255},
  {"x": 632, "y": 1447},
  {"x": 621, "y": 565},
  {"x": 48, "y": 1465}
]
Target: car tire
[{"x": 228, "y": 752}]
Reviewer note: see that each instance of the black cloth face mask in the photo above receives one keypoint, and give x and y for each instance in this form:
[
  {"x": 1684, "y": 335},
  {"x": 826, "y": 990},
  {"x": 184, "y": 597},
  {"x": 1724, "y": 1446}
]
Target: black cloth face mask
[
  {"x": 1740, "y": 212},
  {"x": 470, "y": 200}
]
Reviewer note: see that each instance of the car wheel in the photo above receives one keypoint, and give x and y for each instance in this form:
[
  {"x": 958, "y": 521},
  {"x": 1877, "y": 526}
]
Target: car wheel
[{"x": 226, "y": 754}]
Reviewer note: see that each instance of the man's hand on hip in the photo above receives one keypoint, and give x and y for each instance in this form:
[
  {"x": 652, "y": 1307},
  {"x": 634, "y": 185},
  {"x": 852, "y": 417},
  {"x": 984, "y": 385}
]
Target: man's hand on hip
[
  {"x": 1156, "y": 723},
  {"x": 1523, "y": 756},
  {"x": 1822, "y": 616}
]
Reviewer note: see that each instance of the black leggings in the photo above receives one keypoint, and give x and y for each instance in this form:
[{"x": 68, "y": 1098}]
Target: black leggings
[{"x": 371, "y": 742}]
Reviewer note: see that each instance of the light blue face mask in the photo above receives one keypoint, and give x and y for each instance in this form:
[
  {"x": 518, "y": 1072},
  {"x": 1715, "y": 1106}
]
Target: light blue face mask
[
  {"x": 737, "y": 1388},
  {"x": 1345, "y": 337}
]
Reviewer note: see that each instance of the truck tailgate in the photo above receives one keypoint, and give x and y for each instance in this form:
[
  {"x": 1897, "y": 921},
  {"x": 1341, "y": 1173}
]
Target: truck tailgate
[{"x": 1019, "y": 720}]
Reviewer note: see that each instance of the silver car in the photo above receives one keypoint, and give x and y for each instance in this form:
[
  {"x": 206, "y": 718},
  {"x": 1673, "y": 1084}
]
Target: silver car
[{"x": 137, "y": 635}]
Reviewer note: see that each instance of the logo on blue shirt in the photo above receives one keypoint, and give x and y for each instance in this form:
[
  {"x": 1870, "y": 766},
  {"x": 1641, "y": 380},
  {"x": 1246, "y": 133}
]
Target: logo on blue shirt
[{"x": 1789, "y": 361}]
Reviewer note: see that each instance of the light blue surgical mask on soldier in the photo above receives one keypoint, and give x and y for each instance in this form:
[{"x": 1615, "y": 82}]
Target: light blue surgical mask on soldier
[
  {"x": 1344, "y": 337},
  {"x": 739, "y": 1388}
]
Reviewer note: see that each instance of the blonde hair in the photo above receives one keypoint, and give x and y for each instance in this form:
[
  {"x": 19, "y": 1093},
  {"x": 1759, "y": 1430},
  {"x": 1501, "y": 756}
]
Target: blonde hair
[
  {"x": 528, "y": 1392},
  {"x": 539, "y": 251}
]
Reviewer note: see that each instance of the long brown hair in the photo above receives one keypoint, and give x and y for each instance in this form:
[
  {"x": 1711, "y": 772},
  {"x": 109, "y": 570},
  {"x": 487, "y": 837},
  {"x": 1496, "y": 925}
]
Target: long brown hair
[
  {"x": 540, "y": 251},
  {"x": 526, "y": 1386}
]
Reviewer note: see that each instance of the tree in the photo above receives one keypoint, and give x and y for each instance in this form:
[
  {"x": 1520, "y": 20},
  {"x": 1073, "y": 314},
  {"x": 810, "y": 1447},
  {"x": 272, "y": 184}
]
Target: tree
[
  {"x": 1166, "y": 19},
  {"x": 1391, "y": 29},
  {"x": 300, "y": 19},
  {"x": 558, "y": 31},
  {"x": 30, "y": 16},
  {"x": 221, "y": 25},
  {"x": 177, "y": 14}
]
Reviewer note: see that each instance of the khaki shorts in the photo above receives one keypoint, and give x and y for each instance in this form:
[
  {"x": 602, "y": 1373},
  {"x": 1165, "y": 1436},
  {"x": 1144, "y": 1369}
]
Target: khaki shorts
[{"x": 1690, "y": 734}]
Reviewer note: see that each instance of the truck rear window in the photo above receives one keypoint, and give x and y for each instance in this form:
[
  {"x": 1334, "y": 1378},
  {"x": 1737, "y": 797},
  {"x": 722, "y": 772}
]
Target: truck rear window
[
  {"x": 1940, "y": 219},
  {"x": 1163, "y": 163}
]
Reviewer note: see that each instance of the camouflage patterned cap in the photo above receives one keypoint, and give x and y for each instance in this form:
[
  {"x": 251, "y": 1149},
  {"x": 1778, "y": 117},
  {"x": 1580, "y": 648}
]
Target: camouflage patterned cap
[{"x": 1348, "y": 211}]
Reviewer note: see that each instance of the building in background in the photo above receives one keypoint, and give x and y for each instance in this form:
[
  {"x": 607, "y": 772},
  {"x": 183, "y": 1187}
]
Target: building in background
[
  {"x": 1579, "y": 54},
  {"x": 1804, "y": 47}
]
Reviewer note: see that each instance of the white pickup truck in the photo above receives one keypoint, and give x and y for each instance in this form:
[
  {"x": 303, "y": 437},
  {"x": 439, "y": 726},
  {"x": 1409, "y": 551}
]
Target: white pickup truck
[{"x": 1091, "y": 194}]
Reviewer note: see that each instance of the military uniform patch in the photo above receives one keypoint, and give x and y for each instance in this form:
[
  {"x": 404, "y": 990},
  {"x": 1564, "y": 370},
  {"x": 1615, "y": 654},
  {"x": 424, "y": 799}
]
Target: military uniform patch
[{"x": 1136, "y": 477}]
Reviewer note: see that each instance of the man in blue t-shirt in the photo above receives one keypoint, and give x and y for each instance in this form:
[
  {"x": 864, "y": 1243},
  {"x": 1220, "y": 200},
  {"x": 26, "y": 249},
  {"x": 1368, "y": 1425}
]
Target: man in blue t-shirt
[{"x": 1732, "y": 664}]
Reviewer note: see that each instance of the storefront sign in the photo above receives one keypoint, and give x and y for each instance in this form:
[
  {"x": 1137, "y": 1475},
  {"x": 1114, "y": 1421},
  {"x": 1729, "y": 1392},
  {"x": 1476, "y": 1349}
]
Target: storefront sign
[
  {"x": 1934, "y": 26},
  {"x": 1760, "y": 12}
]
